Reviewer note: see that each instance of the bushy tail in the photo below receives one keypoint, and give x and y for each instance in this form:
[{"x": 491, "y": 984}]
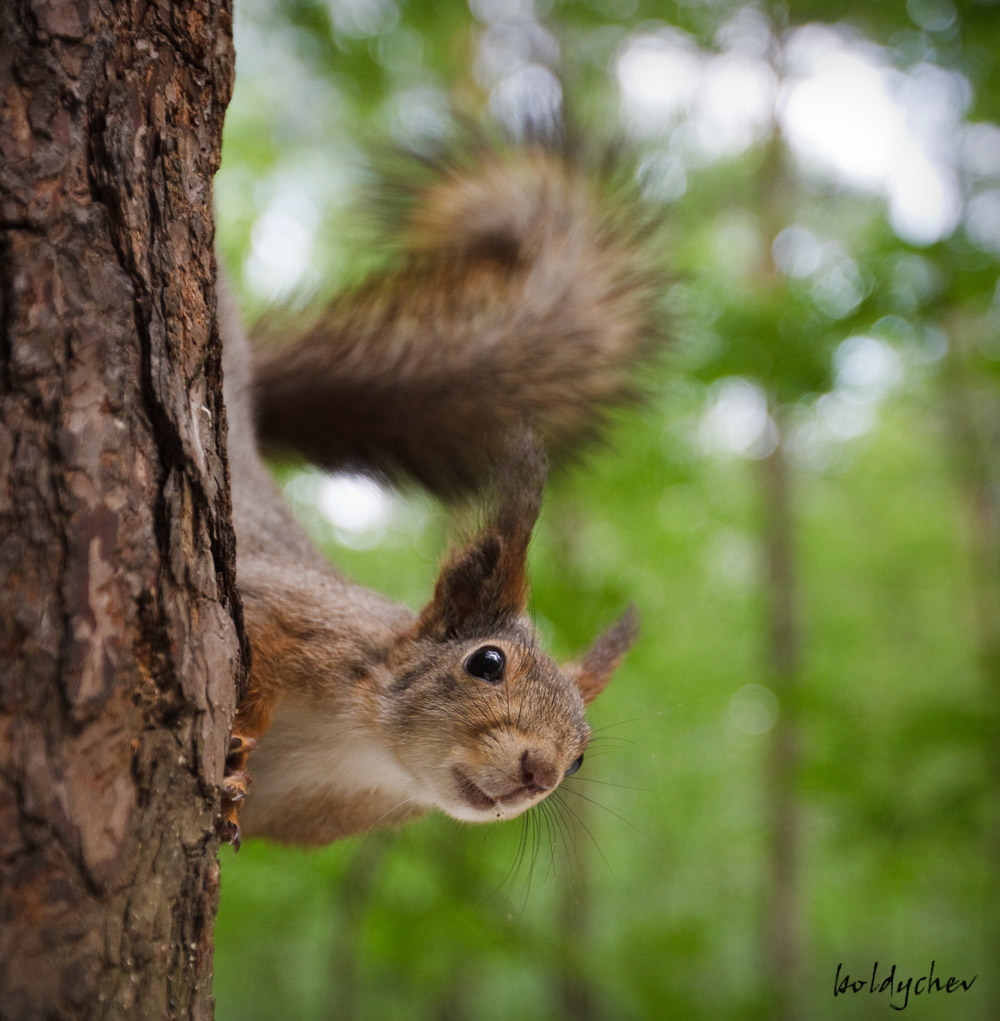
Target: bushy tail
[{"x": 521, "y": 299}]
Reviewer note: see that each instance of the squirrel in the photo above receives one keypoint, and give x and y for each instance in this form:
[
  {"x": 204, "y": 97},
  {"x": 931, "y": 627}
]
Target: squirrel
[{"x": 507, "y": 326}]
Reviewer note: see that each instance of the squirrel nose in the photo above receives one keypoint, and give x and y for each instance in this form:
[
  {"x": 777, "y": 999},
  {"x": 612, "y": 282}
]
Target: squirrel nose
[{"x": 538, "y": 771}]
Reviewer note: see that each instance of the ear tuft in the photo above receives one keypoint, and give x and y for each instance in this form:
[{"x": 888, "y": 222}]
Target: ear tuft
[
  {"x": 593, "y": 672},
  {"x": 485, "y": 582}
]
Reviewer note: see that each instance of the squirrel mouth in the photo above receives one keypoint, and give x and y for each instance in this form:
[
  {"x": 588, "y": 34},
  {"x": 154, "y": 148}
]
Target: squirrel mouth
[
  {"x": 478, "y": 798},
  {"x": 471, "y": 794}
]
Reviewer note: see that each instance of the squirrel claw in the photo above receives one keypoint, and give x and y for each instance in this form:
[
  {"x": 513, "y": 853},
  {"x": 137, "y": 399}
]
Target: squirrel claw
[
  {"x": 229, "y": 833},
  {"x": 235, "y": 783}
]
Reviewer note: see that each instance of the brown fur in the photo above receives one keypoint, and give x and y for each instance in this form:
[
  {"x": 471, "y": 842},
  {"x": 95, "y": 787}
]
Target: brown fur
[
  {"x": 520, "y": 302},
  {"x": 517, "y": 316}
]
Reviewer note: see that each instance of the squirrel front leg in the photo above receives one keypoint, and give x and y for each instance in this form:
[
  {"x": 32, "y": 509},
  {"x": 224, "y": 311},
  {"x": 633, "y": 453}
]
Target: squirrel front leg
[
  {"x": 235, "y": 784},
  {"x": 253, "y": 717},
  {"x": 315, "y": 640}
]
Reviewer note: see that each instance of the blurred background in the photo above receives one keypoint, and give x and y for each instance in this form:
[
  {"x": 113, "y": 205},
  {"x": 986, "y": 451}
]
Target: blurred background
[{"x": 798, "y": 768}]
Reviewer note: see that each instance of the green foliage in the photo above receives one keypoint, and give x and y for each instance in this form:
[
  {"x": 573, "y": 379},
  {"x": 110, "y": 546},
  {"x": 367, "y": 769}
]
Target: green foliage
[{"x": 645, "y": 890}]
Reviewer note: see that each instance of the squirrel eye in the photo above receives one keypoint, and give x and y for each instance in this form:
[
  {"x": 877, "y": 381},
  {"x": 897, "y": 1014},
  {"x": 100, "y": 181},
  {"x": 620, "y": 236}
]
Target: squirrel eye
[
  {"x": 486, "y": 664},
  {"x": 574, "y": 766}
]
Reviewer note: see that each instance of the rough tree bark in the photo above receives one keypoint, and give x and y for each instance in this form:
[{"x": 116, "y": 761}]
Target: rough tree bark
[{"x": 120, "y": 625}]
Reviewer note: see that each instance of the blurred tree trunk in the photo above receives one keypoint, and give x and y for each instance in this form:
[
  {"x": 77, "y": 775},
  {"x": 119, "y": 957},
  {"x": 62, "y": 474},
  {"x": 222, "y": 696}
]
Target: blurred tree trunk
[
  {"x": 782, "y": 652},
  {"x": 350, "y": 895},
  {"x": 783, "y": 655},
  {"x": 575, "y": 906},
  {"x": 974, "y": 413},
  {"x": 120, "y": 625}
]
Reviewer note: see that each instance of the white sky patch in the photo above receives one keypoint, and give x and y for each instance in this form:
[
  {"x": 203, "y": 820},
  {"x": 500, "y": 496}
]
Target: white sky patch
[
  {"x": 736, "y": 421},
  {"x": 418, "y": 114},
  {"x": 359, "y": 509},
  {"x": 501, "y": 10},
  {"x": 981, "y": 149},
  {"x": 363, "y": 18},
  {"x": 530, "y": 95},
  {"x": 748, "y": 32},
  {"x": 839, "y": 289},
  {"x": 724, "y": 100},
  {"x": 658, "y": 77},
  {"x": 844, "y": 416},
  {"x": 797, "y": 252},
  {"x": 509, "y": 44},
  {"x": 866, "y": 370},
  {"x": 843, "y": 110},
  {"x": 867, "y": 367},
  {"x": 925, "y": 200},
  {"x": 983, "y": 220},
  {"x": 361, "y": 512},
  {"x": 735, "y": 108},
  {"x": 281, "y": 244},
  {"x": 839, "y": 115},
  {"x": 514, "y": 60},
  {"x": 846, "y": 113}
]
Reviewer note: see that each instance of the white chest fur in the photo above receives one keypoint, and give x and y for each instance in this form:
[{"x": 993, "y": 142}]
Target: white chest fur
[{"x": 308, "y": 755}]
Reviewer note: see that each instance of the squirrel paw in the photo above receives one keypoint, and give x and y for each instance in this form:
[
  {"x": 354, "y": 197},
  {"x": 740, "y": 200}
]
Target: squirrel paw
[{"x": 235, "y": 783}]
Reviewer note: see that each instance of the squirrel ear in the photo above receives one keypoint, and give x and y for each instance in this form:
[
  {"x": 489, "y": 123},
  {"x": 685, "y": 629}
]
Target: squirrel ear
[
  {"x": 485, "y": 582},
  {"x": 593, "y": 672}
]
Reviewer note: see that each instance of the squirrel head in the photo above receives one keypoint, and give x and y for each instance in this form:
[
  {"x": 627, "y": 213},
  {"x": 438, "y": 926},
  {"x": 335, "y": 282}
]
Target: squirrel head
[{"x": 487, "y": 723}]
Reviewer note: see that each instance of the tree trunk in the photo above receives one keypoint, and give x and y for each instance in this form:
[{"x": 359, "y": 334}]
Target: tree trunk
[
  {"x": 120, "y": 626},
  {"x": 783, "y": 929},
  {"x": 974, "y": 418},
  {"x": 577, "y": 993}
]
